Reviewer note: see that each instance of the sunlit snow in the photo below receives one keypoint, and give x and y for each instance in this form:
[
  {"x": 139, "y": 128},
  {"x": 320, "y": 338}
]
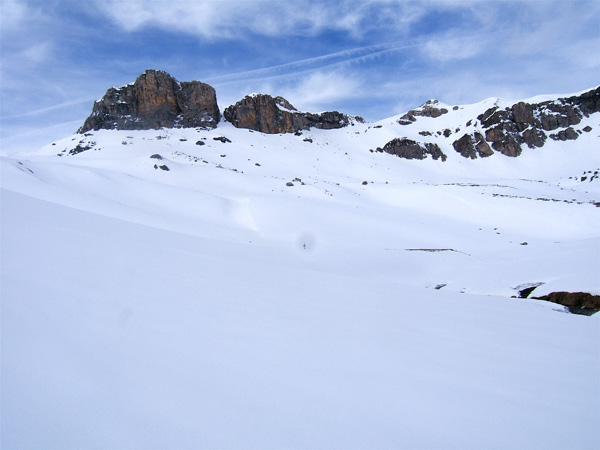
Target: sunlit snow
[{"x": 213, "y": 306}]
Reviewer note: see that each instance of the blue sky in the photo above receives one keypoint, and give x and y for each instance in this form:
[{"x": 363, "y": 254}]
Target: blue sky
[{"x": 372, "y": 58}]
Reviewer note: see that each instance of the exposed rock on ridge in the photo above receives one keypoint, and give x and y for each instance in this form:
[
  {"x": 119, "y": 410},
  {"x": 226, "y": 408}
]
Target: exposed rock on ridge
[
  {"x": 273, "y": 115},
  {"x": 155, "y": 100},
  {"x": 428, "y": 109},
  {"x": 525, "y": 123},
  {"x": 504, "y": 130}
]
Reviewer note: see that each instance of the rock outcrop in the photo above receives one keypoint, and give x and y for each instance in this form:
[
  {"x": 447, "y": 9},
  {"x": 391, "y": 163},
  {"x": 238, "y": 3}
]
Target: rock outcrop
[
  {"x": 409, "y": 149},
  {"x": 472, "y": 146},
  {"x": 507, "y": 129},
  {"x": 428, "y": 109},
  {"x": 155, "y": 100},
  {"x": 272, "y": 115},
  {"x": 577, "y": 302}
]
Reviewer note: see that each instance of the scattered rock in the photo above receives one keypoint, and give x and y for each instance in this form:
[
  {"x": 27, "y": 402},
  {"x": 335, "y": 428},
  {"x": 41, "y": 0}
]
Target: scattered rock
[
  {"x": 200, "y": 143},
  {"x": 156, "y": 156},
  {"x": 567, "y": 134},
  {"x": 81, "y": 147},
  {"x": 223, "y": 139},
  {"x": 289, "y": 184}
]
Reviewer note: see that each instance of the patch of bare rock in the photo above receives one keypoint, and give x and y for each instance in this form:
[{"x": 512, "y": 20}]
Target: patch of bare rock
[
  {"x": 428, "y": 109},
  {"x": 582, "y": 303},
  {"x": 409, "y": 149}
]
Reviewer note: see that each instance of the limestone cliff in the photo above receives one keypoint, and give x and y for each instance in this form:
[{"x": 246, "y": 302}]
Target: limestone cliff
[
  {"x": 273, "y": 115},
  {"x": 155, "y": 100}
]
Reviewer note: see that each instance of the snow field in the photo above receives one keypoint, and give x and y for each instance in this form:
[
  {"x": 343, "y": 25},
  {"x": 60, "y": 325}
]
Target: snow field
[{"x": 212, "y": 306}]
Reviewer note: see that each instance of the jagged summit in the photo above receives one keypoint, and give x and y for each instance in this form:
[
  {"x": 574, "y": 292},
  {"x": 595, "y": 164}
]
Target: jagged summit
[{"x": 155, "y": 100}]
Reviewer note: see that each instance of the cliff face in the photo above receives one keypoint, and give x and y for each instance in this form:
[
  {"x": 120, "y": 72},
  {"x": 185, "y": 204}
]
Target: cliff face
[
  {"x": 276, "y": 115},
  {"x": 155, "y": 100}
]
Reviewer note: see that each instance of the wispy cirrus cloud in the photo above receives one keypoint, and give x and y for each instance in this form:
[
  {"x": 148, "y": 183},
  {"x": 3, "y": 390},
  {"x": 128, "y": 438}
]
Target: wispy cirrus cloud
[
  {"x": 453, "y": 47},
  {"x": 320, "y": 90},
  {"x": 330, "y": 60}
]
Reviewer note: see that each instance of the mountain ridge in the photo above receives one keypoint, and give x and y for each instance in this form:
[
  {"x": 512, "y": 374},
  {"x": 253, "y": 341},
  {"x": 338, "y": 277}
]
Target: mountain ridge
[{"x": 157, "y": 100}]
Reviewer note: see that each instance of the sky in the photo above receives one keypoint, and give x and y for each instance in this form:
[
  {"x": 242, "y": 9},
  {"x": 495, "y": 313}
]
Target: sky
[{"x": 373, "y": 58}]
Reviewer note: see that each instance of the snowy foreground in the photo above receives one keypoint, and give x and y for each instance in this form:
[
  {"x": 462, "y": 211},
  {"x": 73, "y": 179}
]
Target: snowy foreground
[{"x": 212, "y": 306}]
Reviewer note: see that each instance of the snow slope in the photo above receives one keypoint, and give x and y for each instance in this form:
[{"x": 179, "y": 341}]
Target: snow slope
[{"x": 213, "y": 306}]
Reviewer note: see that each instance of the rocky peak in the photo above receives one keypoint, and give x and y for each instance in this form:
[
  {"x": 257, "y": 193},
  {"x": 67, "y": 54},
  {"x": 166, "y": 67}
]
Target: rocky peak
[
  {"x": 267, "y": 114},
  {"x": 155, "y": 100}
]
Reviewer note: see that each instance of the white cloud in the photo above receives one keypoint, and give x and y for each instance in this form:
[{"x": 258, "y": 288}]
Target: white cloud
[
  {"x": 234, "y": 18},
  {"x": 37, "y": 52},
  {"x": 320, "y": 90},
  {"x": 453, "y": 48},
  {"x": 312, "y": 91},
  {"x": 13, "y": 14}
]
